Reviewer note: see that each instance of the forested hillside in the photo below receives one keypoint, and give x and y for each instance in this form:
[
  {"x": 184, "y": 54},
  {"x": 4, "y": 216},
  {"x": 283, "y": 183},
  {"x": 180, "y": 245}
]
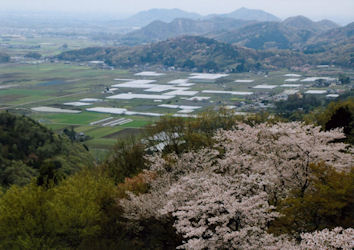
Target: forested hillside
[
  {"x": 28, "y": 150},
  {"x": 190, "y": 53},
  {"x": 234, "y": 46}
]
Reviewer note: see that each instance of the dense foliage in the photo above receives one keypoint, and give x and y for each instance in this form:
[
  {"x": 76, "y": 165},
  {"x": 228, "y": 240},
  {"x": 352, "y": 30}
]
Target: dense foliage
[
  {"x": 28, "y": 149},
  {"x": 338, "y": 114},
  {"x": 64, "y": 216},
  {"x": 296, "y": 106},
  {"x": 220, "y": 182}
]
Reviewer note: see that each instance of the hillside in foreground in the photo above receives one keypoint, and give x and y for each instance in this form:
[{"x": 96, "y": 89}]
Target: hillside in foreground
[
  {"x": 29, "y": 150},
  {"x": 224, "y": 182}
]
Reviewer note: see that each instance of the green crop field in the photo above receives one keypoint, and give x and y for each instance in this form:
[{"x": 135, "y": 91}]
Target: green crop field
[{"x": 52, "y": 85}]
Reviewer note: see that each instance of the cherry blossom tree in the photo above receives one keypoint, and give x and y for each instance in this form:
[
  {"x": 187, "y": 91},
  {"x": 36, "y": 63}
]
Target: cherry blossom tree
[
  {"x": 282, "y": 152},
  {"x": 224, "y": 197},
  {"x": 338, "y": 238}
]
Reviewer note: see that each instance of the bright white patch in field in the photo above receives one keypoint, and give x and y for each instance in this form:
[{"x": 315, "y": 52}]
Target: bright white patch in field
[
  {"x": 157, "y": 100},
  {"x": 292, "y": 80},
  {"x": 244, "y": 81},
  {"x": 332, "y": 95},
  {"x": 119, "y": 111},
  {"x": 290, "y": 91},
  {"x": 170, "y": 106},
  {"x": 113, "y": 89},
  {"x": 149, "y": 73},
  {"x": 264, "y": 86},
  {"x": 292, "y": 75},
  {"x": 203, "y": 76},
  {"x": 226, "y": 92},
  {"x": 179, "y": 106},
  {"x": 114, "y": 123},
  {"x": 91, "y": 100},
  {"x": 181, "y": 92},
  {"x": 230, "y": 107},
  {"x": 160, "y": 88},
  {"x": 188, "y": 84},
  {"x": 101, "y": 121},
  {"x": 178, "y": 81},
  {"x": 185, "y": 111},
  {"x": 198, "y": 98},
  {"x": 55, "y": 110},
  {"x": 142, "y": 84},
  {"x": 313, "y": 79},
  {"x": 316, "y": 92},
  {"x": 129, "y": 96},
  {"x": 96, "y": 62},
  {"x": 291, "y": 85},
  {"x": 143, "y": 113},
  {"x": 77, "y": 104},
  {"x": 8, "y": 86},
  {"x": 189, "y": 107},
  {"x": 184, "y": 115},
  {"x": 116, "y": 111}
]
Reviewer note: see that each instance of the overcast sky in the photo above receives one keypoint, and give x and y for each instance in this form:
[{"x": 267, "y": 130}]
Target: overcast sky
[{"x": 315, "y": 9}]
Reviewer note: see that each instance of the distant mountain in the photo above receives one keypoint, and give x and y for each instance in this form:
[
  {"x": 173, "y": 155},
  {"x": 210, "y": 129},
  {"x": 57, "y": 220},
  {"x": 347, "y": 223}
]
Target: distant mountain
[
  {"x": 158, "y": 30},
  {"x": 292, "y": 33},
  {"x": 300, "y": 22},
  {"x": 167, "y": 15},
  {"x": 251, "y": 14},
  {"x": 265, "y": 35},
  {"x": 338, "y": 36},
  {"x": 327, "y": 24},
  {"x": 145, "y": 17},
  {"x": 189, "y": 53},
  {"x": 334, "y": 46},
  {"x": 304, "y": 23}
]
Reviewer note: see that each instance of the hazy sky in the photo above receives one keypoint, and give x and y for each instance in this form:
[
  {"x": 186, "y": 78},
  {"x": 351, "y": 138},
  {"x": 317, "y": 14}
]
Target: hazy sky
[{"x": 315, "y": 9}]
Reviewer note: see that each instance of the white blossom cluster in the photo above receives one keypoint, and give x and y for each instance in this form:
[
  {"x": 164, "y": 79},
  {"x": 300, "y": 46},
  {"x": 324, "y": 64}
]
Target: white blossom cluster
[{"x": 219, "y": 198}]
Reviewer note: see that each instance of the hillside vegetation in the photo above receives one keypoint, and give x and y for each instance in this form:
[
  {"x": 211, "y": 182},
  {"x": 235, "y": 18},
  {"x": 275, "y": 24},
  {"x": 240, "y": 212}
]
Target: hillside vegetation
[
  {"x": 189, "y": 53},
  {"x": 225, "y": 182},
  {"x": 233, "y": 45},
  {"x": 29, "y": 150}
]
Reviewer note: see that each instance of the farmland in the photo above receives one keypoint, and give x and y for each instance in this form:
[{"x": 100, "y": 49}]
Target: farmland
[{"x": 79, "y": 96}]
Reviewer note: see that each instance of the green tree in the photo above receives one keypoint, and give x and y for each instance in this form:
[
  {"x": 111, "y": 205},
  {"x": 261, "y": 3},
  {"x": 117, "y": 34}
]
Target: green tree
[
  {"x": 328, "y": 202},
  {"x": 62, "y": 217},
  {"x": 126, "y": 159},
  {"x": 26, "y": 147},
  {"x": 338, "y": 114}
]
